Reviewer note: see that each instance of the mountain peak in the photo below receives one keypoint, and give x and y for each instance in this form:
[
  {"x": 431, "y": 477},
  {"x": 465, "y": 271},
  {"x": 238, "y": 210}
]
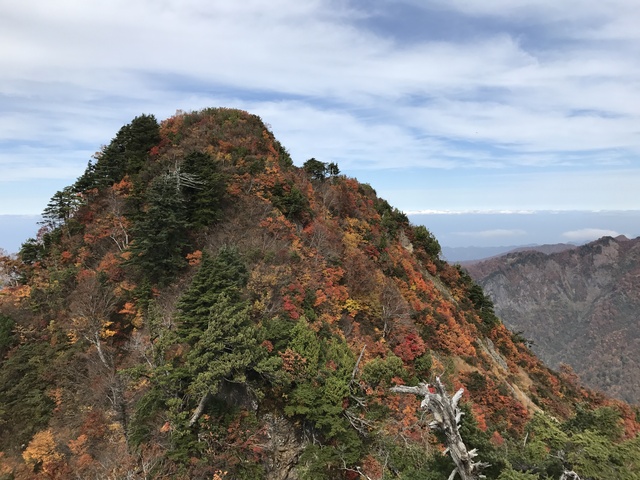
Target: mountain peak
[{"x": 196, "y": 306}]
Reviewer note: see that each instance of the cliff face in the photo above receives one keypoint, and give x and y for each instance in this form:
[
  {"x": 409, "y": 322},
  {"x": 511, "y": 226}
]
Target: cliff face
[
  {"x": 579, "y": 307},
  {"x": 198, "y": 307}
]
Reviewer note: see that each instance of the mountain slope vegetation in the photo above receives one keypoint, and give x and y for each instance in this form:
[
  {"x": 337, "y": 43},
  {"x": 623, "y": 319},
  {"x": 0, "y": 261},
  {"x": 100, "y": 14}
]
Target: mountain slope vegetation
[
  {"x": 579, "y": 307},
  {"x": 195, "y": 306}
]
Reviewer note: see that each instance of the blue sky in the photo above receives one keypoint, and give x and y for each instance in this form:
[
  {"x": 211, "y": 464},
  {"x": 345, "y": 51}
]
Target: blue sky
[{"x": 441, "y": 105}]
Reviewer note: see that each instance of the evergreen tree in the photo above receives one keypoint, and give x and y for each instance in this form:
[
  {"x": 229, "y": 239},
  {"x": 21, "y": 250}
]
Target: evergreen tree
[
  {"x": 204, "y": 189},
  {"x": 315, "y": 169},
  {"x": 61, "y": 208},
  {"x": 425, "y": 239},
  {"x": 160, "y": 234},
  {"x": 323, "y": 379},
  {"x": 224, "y": 274},
  {"x": 126, "y": 154},
  {"x": 225, "y": 349}
]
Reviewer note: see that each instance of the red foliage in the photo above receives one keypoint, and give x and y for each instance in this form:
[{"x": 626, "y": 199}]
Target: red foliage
[{"x": 411, "y": 347}]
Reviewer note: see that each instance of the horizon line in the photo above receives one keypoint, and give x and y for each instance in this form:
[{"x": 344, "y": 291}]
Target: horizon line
[{"x": 517, "y": 212}]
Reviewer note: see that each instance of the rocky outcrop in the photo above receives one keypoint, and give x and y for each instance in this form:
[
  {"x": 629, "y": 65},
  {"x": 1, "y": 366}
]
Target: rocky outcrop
[{"x": 579, "y": 307}]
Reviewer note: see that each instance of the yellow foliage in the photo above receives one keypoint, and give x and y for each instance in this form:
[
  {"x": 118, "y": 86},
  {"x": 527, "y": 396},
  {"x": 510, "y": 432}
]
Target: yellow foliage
[
  {"x": 106, "y": 331},
  {"x": 354, "y": 307},
  {"x": 41, "y": 449}
]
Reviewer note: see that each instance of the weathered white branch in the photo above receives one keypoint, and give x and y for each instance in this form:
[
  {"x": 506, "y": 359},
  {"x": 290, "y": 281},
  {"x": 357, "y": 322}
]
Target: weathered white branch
[
  {"x": 569, "y": 475},
  {"x": 199, "y": 409},
  {"x": 446, "y": 416}
]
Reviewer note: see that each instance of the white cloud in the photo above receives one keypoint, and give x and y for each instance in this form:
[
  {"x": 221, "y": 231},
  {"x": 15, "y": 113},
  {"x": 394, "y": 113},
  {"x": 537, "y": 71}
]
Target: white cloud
[
  {"x": 588, "y": 234},
  {"x": 540, "y": 84}
]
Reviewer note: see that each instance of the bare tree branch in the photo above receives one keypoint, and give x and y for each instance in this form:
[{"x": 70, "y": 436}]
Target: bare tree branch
[{"x": 446, "y": 417}]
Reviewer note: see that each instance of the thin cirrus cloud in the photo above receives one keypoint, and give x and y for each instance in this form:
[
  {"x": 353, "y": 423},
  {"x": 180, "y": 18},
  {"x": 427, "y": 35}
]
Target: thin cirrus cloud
[{"x": 541, "y": 92}]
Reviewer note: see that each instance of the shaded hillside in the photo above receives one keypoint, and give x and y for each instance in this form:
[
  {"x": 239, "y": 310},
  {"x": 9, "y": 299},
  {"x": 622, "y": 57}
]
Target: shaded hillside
[
  {"x": 579, "y": 307},
  {"x": 197, "y": 307}
]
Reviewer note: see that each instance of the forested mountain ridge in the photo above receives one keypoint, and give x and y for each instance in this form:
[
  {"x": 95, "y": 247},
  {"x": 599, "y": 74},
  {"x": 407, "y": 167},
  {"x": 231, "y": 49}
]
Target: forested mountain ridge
[
  {"x": 579, "y": 307},
  {"x": 196, "y": 306}
]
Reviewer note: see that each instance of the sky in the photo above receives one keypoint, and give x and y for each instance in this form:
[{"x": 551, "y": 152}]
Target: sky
[{"x": 443, "y": 106}]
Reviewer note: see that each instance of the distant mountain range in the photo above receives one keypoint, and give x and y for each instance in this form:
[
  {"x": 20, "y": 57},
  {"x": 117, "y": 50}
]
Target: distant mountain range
[
  {"x": 473, "y": 254},
  {"x": 579, "y": 306}
]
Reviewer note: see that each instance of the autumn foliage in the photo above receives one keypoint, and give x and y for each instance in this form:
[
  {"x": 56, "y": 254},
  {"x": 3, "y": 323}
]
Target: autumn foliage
[{"x": 202, "y": 308}]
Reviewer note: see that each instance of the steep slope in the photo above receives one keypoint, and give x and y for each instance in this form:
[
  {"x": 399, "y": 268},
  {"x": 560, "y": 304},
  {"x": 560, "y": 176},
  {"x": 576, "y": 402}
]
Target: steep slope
[
  {"x": 578, "y": 307},
  {"x": 197, "y": 307}
]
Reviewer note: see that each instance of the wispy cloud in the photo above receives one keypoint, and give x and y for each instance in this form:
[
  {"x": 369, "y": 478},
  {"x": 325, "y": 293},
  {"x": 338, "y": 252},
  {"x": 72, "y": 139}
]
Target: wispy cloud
[{"x": 531, "y": 85}]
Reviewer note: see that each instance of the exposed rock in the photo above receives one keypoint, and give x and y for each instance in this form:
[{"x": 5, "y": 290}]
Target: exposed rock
[
  {"x": 578, "y": 307},
  {"x": 284, "y": 447}
]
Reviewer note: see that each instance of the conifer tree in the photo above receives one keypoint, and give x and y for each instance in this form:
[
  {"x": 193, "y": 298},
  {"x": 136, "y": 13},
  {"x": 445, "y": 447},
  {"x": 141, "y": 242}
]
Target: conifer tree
[
  {"x": 126, "y": 154},
  {"x": 224, "y": 351},
  {"x": 160, "y": 235},
  {"x": 206, "y": 190},
  {"x": 224, "y": 274}
]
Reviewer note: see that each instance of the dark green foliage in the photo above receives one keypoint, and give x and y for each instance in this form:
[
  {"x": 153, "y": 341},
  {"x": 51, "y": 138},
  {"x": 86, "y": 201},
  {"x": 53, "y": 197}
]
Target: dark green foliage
[
  {"x": 25, "y": 406},
  {"x": 510, "y": 474},
  {"x": 31, "y": 251},
  {"x": 87, "y": 180},
  {"x": 315, "y": 168},
  {"x": 204, "y": 189},
  {"x": 61, "y": 208},
  {"x": 160, "y": 235},
  {"x": 318, "y": 170},
  {"x": 322, "y": 381},
  {"x": 284, "y": 159},
  {"x": 422, "y": 366},
  {"x": 291, "y": 202},
  {"x": 411, "y": 463},
  {"x": 392, "y": 219},
  {"x": 332, "y": 169},
  {"x": 223, "y": 345},
  {"x": 125, "y": 155},
  {"x": 327, "y": 462},
  {"x": 383, "y": 370},
  {"x": 225, "y": 350},
  {"x": 604, "y": 421},
  {"x": 476, "y": 382},
  {"x": 483, "y": 305},
  {"x": 225, "y": 274},
  {"x": 474, "y": 437},
  {"x": 278, "y": 332},
  {"x": 425, "y": 239},
  {"x": 583, "y": 444},
  {"x": 144, "y": 419},
  {"x": 6, "y": 334}
]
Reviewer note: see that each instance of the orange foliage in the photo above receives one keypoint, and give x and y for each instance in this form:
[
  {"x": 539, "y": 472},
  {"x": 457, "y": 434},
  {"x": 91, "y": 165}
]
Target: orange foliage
[
  {"x": 194, "y": 258},
  {"x": 42, "y": 450}
]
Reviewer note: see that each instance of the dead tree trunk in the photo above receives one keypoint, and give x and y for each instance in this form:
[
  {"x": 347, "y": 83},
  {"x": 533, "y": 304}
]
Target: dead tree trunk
[
  {"x": 446, "y": 417},
  {"x": 569, "y": 475}
]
